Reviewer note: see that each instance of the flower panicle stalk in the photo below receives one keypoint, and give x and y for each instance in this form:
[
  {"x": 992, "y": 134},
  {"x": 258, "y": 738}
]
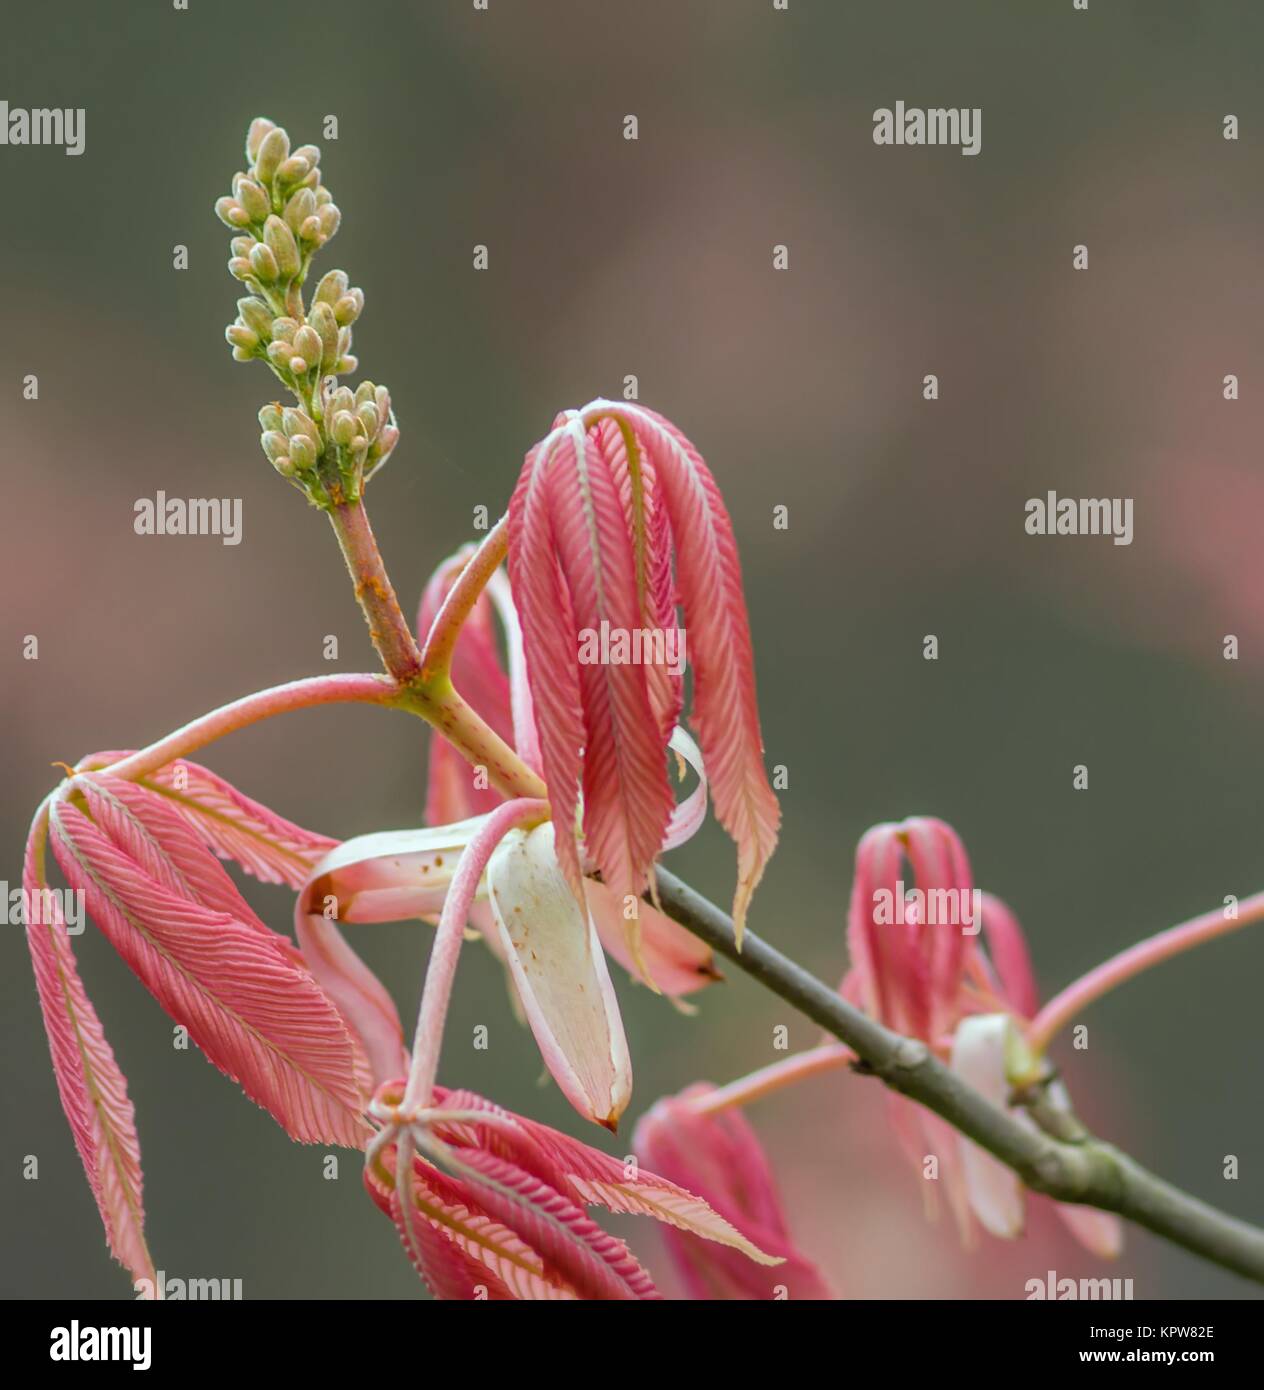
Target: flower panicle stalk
[{"x": 336, "y": 438}]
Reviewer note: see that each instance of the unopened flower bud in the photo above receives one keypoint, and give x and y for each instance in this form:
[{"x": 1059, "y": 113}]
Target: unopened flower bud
[
  {"x": 387, "y": 439},
  {"x": 349, "y": 307},
  {"x": 364, "y": 393},
  {"x": 341, "y": 400},
  {"x": 347, "y": 364},
  {"x": 241, "y": 336},
  {"x": 285, "y": 466},
  {"x": 331, "y": 288},
  {"x": 270, "y": 418},
  {"x": 274, "y": 150},
  {"x": 330, "y": 217},
  {"x": 311, "y": 153},
  {"x": 284, "y": 329},
  {"x": 275, "y": 445},
  {"x": 307, "y": 343},
  {"x": 344, "y": 428},
  {"x": 256, "y": 315},
  {"x": 300, "y": 207},
  {"x": 254, "y": 200},
  {"x": 259, "y": 127},
  {"x": 368, "y": 418},
  {"x": 281, "y": 243},
  {"x": 293, "y": 169},
  {"x": 231, "y": 213},
  {"x": 310, "y": 231},
  {"x": 279, "y": 354},
  {"x": 295, "y": 422},
  {"x": 326, "y": 326},
  {"x": 242, "y": 245},
  {"x": 240, "y": 268},
  {"x": 264, "y": 265},
  {"x": 303, "y": 452},
  {"x": 323, "y": 196}
]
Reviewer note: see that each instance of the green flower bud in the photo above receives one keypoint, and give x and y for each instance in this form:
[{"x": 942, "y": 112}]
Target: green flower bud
[
  {"x": 264, "y": 264},
  {"x": 270, "y": 418},
  {"x": 241, "y": 354},
  {"x": 311, "y": 153},
  {"x": 349, "y": 307},
  {"x": 274, "y": 150},
  {"x": 259, "y": 127},
  {"x": 330, "y": 217},
  {"x": 255, "y": 314},
  {"x": 331, "y": 288},
  {"x": 240, "y": 268},
  {"x": 300, "y": 207},
  {"x": 231, "y": 213},
  {"x": 254, "y": 200},
  {"x": 324, "y": 323},
  {"x": 343, "y": 398},
  {"x": 279, "y": 354},
  {"x": 293, "y": 169},
  {"x": 281, "y": 243},
  {"x": 241, "y": 336},
  {"x": 323, "y": 196},
  {"x": 307, "y": 343},
  {"x": 284, "y": 329},
  {"x": 344, "y": 428},
  {"x": 311, "y": 233},
  {"x": 275, "y": 445},
  {"x": 303, "y": 452},
  {"x": 344, "y": 366},
  {"x": 295, "y": 422},
  {"x": 242, "y": 245},
  {"x": 285, "y": 466},
  {"x": 368, "y": 418},
  {"x": 365, "y": 393}
]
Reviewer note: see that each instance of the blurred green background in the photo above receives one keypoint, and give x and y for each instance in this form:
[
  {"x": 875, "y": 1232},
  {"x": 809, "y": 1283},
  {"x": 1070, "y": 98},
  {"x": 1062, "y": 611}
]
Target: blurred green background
[{"x": 802, "y": 389}]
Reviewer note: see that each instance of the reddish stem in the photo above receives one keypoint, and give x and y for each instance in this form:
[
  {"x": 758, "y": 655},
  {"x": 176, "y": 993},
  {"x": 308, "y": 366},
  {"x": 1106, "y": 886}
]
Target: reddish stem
[{"x": 1077, "y": 996}]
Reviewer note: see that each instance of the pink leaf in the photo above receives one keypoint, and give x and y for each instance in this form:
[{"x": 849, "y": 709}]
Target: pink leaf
[
  {"x": 92, "y": 1088},
  {"x": 247, "y": 1003},
  {"x": 725, "y": 713},
  {"x": 548, "y": 635},
  {"x": 675, "y": 960},
  {"x": 593, "y": 1262},
  {"x": 627, "y": 798},
  {"x": 232, "y": 825},
  {"x": 435, "y": 1240},
  {"x": 1008, "y": 951}
]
